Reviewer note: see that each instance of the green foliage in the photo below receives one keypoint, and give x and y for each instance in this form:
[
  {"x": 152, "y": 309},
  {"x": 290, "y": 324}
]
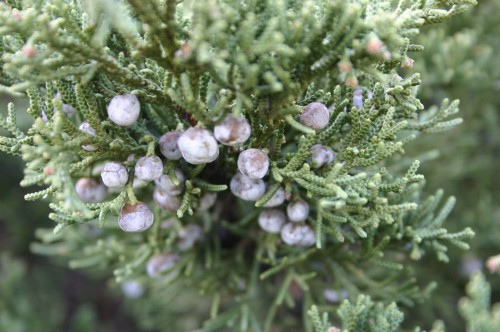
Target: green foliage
[
  {"x": 192, "y": 63},
  {"x": 476, "y": 308},
  {"x": 364, "y": 315},
  {"x": 463, "y": 161},
  {"x": 17, "y": 312},
  {"x": 320, "y": 322},
  {"x": 29, "y": 305},
  {"x": 367, "y": 316}
]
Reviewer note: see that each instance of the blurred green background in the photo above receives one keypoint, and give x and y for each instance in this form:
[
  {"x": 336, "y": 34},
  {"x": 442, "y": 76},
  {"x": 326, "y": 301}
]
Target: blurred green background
[{"x": 461, "y": 61}]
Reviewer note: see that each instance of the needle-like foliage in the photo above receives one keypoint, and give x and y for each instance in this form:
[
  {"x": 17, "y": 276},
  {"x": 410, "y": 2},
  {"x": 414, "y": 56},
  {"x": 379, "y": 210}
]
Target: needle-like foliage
[{"x": 191, "y": 64}]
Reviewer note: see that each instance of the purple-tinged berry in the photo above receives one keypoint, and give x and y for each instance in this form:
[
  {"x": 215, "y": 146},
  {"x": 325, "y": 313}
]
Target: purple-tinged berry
[
  {"x": 165, "y": 201},
  {"x": 233, "y": 131},
  {"x": 132, "y": 289},
  {"x": 272, "y": 220},
  {"x": 148, "y": 168},
  {"x": 161, "y": 263},
  {"x": 277, "y": 199},
  {"x": 198, "y": 146},
  {"x": 87, "y": 128},
  {"x": 297, "y": 211},
  {"x": 206, "y": 201},
  {"x": 298, "y": 235},
  {"x": 135, "y": 218},
  {"x": 67, "y": 109},
  {"x": 168, "y": 145},
  {"x": 124, "y": 109},
  {"x": 165, "y": 183},
  {"x": 114, "y": 174},
  {"x": 357, "y": 98},
  {"x": 246, "y": 188},
  {"x": 90, "y": 191},
  {"x": 321, "y": 155},
  {"x": 315, "y": 116},
  {"x": 188, "y": 236},
  {"x": 253, "y": 163}
]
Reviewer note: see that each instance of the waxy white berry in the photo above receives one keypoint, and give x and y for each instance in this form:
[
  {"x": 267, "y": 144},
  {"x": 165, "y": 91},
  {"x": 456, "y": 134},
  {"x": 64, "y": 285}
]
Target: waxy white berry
[
  {"x": 135, "y": 217},
  {"x": 272, "y": 220},
  {"x": 168, "y": 145},
  {"x": 277, "y": 199},
  {"x": 206, "y": 201},
  {"x": 315, "y": 116},
  {"x": 124, "y": 109},
  {"x": 188, "y": 236},
  {"x": 148, "y": 168},
  {"x": 321, "y": 155},
  {"x": 90, "y": 191},
  {"x": 44, "y": 116},
  {"x": 168, "y": 223},
  {"x": 198, "y": 146},
  {"x": 357, "y": 98},
  {"x": 246, "y": 188},
  {"x": 67, "y": 109},
  {"x": 297, "y": 210},
  {"x": 132, "y": 289},
  {"x": 233, "y": 130},
  {"x": 165, "y": 201},
  {"x": 253, "y": 163},
  {"x": 298, "y": 235},
  {"x": 165, "y": 183},
  {"x": 333, "y": 296},
  {"x": 470, "y": 265},
  {"x": 114, "y": 174},
  {"x": 86, "y": 128},
  {"x": 161, "y": 263}
]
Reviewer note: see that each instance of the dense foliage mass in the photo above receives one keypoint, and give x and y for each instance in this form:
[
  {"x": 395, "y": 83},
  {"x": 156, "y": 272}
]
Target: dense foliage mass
[{"x": 241, "y": 156}]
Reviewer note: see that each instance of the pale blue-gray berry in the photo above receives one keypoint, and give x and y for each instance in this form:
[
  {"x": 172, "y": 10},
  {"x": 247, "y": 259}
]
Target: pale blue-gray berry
[
  {"x": 135, "y": 217},
  {"x": 114, "y": 174},
  {"x": 124, "y": 109},
  {"x": 168, "y": 145},
  {"x": 159, "y": 264},
  {"x": 148, "y": 168},
  {"x": 272, "y": 220},
  {"x": 315, "y": 116},
  {"x": 253, "y": 163},
  {"x": 246, "y": 188},
  {"x": 233, "y": 130},
  {"x": 165, "y": 183},
  {"x": 166, "y": 201},
  {"x": 298, "y": 235},
  {"x": 321, "y": 155},
  {"x": 188, "y": 236},
  {"x": 277, "y": 199},
  {"x": 90, "y": 191},
  {"x": 87, "y": 128},
  {"x": 198, "y": 146},
  {"x": 297, "y": 211}
]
